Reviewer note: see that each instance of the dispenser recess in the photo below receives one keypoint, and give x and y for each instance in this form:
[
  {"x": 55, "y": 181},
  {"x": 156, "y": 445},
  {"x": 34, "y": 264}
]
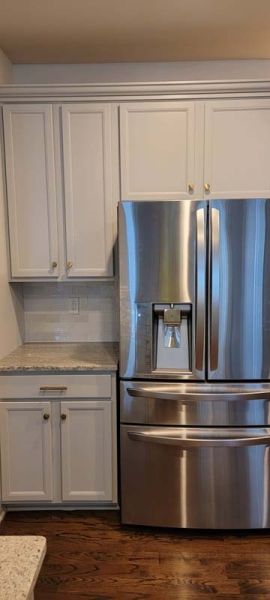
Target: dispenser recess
[{"x": 171, "y": 337}]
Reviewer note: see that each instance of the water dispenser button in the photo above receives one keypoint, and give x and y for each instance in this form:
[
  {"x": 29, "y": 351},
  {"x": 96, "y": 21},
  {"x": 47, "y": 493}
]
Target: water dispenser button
[{"x": 172, "y": 316}]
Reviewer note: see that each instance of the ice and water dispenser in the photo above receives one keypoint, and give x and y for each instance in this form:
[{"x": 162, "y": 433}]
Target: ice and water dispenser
[
  {"x": 171, "y": 347},
  {"x": 171, "y": 336},
  {"x": 164, "y": 339}
]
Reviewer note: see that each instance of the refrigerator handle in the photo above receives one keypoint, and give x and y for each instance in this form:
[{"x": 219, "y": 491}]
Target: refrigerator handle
[
  {"x": 214, "y": 297},
  {"x": 200, "y": 288},
  {"x": 185, "y": 396},
  {"x": 196, "y": 442}
]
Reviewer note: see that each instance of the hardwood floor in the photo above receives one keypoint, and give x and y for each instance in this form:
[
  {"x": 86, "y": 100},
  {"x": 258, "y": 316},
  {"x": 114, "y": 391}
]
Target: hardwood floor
[{"x": 90, "y": 556}]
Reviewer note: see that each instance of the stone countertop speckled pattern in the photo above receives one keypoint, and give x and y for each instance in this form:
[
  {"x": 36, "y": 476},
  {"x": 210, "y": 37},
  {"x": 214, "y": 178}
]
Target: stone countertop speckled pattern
[
  {"x": 21, "y": 558},
  {"x": 56, "y": 357}
]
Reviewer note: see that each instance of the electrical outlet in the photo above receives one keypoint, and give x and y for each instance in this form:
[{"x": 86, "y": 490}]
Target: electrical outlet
[{"x": 74, "y": 306}]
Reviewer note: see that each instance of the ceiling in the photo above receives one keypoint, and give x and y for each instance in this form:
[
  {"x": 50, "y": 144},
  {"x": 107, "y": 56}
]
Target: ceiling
[{"x": 85, "y": 31}]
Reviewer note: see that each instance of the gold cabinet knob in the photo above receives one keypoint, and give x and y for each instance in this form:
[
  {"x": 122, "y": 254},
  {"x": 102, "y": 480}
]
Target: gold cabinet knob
[
  {"x": 46, "y": 416},
  {"x": 54, "y": 264},
  {"x": 63, "y": 417},
  {"x": 207, "y": 187},
  {"x": 69, "y": 264},
  {"x": 191, "y": 188}
]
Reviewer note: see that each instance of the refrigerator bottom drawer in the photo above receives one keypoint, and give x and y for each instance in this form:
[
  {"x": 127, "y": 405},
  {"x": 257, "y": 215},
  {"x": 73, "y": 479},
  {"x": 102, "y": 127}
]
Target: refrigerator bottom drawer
[{"x": 195, "y": 478}]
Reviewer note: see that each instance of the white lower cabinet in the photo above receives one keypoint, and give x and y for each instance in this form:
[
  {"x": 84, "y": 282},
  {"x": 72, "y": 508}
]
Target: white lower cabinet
[
  {"x": 58, "y": 451},
  {"x": 26, "y": 451},
  {"x": 86, "y": 443}
]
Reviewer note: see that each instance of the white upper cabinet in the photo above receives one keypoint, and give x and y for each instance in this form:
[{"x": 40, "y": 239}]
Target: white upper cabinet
[
  {"x": 30, "y": 169},
  {"x": 33, "y": 183},
  {"x": 169, "y": 150},
  {"x": 88, "y": 189},
  {"x": 158, "y": 144},
  {"x": 237, "y": 149},
  {"x": 173, "y": 150},
  {"x": 87, "y": 463}
]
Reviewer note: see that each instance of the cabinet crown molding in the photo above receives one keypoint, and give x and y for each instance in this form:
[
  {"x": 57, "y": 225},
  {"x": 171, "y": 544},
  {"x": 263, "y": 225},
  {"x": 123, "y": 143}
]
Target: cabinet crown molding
[{"x": 137, "y": 90}]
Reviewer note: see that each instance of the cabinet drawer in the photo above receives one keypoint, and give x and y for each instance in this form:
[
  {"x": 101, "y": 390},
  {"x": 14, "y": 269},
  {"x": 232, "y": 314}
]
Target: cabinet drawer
[{"x": 55, "y": 386}]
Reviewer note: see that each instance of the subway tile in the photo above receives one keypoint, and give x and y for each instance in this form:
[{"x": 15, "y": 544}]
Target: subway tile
[{"x": 48, "y": 318}]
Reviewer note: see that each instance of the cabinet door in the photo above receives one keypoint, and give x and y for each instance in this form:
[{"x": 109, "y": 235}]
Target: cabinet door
[
  {"x": 88, "y": 189},
  {"x": 86, "y": 442},
  {"x": 158, "y": 151},
  {"x": 237, "y": 149},
  {"x": 26, "y": 451},
  {"x": 30, "y": 169}
]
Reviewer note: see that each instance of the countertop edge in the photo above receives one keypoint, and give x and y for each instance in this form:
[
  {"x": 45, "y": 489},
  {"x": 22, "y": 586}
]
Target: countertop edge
[
  {"x": 57, "y": 358},
  {"x": 18, "y": 576},
  {"x": 57, "y": 370}
]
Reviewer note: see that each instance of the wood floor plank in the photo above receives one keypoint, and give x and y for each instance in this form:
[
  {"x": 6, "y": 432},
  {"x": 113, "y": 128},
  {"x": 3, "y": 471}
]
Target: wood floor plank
[{"x": 91, "y": 556}]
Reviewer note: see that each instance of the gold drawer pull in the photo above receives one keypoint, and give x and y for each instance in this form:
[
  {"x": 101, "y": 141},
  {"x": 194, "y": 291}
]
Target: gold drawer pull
[
  {"x": 207, "y": 187},
  {"x": 191, "y": 188},
  {"x": 54, "y": 264},
  {"x": 53, "y": 388}
]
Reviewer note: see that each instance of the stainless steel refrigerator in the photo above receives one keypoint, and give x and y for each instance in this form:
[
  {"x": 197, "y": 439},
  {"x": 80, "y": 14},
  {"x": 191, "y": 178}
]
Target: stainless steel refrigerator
[{"x": 195, "y": 363}]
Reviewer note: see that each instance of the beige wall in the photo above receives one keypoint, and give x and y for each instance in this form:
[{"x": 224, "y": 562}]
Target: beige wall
[
  {"x": 123, "y": 72},
  {"x": 11, "y": 317}
]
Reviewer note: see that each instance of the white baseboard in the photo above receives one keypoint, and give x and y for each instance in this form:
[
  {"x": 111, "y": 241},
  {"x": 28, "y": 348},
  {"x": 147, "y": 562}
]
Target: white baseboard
[
  {"x": 65, "y": 507},
  {"x": 2, "y": 514}
]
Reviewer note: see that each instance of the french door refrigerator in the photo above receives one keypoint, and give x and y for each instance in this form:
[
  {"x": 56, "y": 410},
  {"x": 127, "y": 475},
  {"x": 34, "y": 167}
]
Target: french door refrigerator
[{"x": 195, "y": 363}]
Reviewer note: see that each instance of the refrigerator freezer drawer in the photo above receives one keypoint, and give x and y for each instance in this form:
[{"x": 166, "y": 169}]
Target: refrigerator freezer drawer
[
  {"x": 207, "y": 404},
  {"x": 195, "y": 478}
]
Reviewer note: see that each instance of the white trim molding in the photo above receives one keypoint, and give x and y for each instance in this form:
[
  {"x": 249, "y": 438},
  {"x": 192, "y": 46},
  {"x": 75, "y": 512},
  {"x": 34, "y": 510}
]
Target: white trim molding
[{"x": 116, "y": 92}]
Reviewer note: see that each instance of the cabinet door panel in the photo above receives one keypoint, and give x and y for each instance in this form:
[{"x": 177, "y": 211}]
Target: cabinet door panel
[
  {"x": 237, "y": 149},
  {"x": 157, "y": 150},
  {"x": 26, "y": 451},
  {"x": 86, "y": 441},
  {"x": 88, "y": 189},
  {"x": 29, "y": 149}
]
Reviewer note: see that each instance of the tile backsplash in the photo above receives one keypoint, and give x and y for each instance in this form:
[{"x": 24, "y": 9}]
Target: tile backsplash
[{"x": 49, "y": 312}]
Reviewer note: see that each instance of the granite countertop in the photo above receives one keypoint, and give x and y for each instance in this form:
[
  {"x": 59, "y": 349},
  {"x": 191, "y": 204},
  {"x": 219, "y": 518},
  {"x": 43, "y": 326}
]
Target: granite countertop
[
  {"x": 21, "y": 558},
  {"x": 54, "y": 357}
]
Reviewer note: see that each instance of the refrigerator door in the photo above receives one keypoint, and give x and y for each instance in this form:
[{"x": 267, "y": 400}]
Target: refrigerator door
[
  {"x": 162, "y": 251},
  {"x": 239, "y": 290}
]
